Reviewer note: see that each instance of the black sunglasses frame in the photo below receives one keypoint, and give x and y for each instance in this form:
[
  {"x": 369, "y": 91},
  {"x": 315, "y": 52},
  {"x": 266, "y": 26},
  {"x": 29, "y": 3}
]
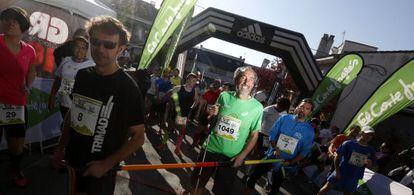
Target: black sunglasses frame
[{"x": 107, "y": 44}]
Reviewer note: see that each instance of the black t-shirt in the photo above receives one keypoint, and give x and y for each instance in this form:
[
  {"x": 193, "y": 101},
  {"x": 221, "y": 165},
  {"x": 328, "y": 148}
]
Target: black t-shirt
[
  {"x": 111, "y": 104},
  {"x": 186, "y": 100}
]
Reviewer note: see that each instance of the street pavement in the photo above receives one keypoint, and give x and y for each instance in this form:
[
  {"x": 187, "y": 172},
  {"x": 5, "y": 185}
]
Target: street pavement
[{"x": 43, "y": 180}]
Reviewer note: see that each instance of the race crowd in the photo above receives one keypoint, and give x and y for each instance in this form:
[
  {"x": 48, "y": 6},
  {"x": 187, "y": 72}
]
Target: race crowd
[{"x": 107, "y": 110}]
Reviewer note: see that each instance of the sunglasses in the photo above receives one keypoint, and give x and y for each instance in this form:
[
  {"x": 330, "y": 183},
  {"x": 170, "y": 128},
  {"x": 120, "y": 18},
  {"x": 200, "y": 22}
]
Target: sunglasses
[{"x": 107, "y": 44}]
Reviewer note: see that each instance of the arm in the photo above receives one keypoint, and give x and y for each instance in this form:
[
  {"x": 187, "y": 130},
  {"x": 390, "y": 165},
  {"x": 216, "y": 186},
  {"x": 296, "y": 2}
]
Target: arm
[
  {"x": 250, "y": 145},
  {"x": 157, "y": 92},
  {"x": 196, "y": 95},
  {"x": 99, "y": 168},
  {"x": 171, "y": 91},
  {"x": 332, "y": 144},
  {"x": 31, "y": 74},
  {"x": 64, "y": 138},
  {"x": 53, "y": 91},
  {"x": 337, "y": 159},
  {"x": 294, "y": 160},
  {"x": 63, "y": 141}
]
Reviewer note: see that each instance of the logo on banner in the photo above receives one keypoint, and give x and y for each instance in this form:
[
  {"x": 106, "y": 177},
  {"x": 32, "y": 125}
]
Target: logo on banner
[
  {"x": 49, "y": 28},
  {"x": 252, "y": 32},
  {"x": 406, "y": 91},
  {"x": 102, "y": 126}
]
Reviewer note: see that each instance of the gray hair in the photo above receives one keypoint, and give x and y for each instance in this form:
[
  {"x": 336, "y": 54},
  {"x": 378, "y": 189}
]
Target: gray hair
[{"x": 240, "y": 70}]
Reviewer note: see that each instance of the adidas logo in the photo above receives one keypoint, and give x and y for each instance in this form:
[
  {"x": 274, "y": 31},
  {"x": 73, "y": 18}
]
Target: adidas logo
[{"x": 252, "y": 32}]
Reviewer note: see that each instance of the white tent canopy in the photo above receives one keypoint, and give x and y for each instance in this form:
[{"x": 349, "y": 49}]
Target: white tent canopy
[{"x": 84, "y": 8}]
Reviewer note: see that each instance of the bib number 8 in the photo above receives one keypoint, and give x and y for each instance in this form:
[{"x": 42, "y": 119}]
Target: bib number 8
[{"x": 80, "y": 116}]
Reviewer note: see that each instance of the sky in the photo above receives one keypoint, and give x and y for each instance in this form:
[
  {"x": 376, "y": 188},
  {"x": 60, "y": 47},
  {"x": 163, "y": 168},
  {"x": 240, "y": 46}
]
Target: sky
[{"x": 388, "y": 25}]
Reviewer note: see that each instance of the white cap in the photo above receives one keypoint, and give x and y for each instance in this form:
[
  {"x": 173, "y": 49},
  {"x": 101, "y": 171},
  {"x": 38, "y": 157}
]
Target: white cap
[{"x": 368, "y": 129}]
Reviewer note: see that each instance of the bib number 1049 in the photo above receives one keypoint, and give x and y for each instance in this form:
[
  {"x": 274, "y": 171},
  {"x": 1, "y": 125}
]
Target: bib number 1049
[{"x": 228, "y": 128}]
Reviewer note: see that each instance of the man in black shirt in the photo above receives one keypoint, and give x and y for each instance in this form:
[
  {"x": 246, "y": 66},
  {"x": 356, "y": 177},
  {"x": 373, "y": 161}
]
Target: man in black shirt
[{"x": 107, "y": 107}]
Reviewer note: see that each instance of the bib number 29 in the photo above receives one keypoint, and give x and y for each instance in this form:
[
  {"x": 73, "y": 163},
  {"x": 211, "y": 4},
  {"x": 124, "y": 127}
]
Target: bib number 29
[{"x": 10, "y": 115}]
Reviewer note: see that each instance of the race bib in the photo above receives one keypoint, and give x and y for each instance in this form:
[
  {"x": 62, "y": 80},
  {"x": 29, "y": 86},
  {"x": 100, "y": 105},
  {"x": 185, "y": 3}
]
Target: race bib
[
  {"x": 11, "y": 114},
  {"x": 67, "y": 86},
  {"x": 287, "y": 144},
  {"x": 84, "y": 114},
  {"x": 265, "y": 141},
  {"x": 228, "y": 128},
  {"x": 179, "y": 120},
  {"x": 358, "y": 159}
]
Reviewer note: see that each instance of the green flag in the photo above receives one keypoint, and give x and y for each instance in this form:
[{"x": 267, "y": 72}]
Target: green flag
[
  {"x": 170, "y": 15},
  {"x": 393, "y": 95},
  {"x": 338, "y": 77},
  {"x": 176, "y": 38}
]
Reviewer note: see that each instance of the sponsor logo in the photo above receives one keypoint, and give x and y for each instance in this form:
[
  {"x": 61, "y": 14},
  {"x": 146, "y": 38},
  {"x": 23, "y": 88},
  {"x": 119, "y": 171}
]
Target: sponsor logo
[
  {"x": 252, "y": 32},
  {"x": 172, "y": 12},
  {"x": 48, "y": 28},
  {"x": 298, "y": 135},
  {"x": 404, "y": 92},
  {"x": 103, "y": 122}
]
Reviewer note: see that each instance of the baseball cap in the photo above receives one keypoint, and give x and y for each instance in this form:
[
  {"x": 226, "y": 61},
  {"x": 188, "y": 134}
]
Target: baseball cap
[
  {"x": 80, "y": 37},
  {"x": 368, "y": 129},
  {"x": 19, "y": 14}
]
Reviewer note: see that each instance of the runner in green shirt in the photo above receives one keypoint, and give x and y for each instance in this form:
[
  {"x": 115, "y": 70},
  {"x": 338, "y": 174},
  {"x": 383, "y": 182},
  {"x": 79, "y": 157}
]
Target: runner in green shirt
[{"x": 233, "y": 136}]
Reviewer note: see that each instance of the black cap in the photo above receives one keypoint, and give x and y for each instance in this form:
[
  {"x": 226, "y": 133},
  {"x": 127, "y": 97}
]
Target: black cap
[{"x": 19, "y": 14}]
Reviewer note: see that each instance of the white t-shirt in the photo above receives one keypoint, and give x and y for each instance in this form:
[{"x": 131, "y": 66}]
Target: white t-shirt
[
  {"x": 325, "y": 135},
  {"x": 67, "y": 72},
  {"x": 270, "y": 115}
]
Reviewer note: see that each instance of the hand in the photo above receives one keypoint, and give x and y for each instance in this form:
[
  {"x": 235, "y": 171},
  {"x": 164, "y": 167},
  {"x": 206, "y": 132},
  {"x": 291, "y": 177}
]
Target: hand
[
  {"x": 212, "y": 110},
  {"x": 238, "y": 160},
  {"x": 276, "y": 152},
  {"x": 57, "y": 159},
  {"x": 51, "y": 103},
  {"x": 97, "y": 168},
  {"x": 286, "y": 163}
]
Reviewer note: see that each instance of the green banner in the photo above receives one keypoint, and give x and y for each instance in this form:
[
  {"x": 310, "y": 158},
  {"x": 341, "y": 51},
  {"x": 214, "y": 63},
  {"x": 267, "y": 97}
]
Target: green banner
[
  {"x": 338, "y": 77},
  {"x": 393, "y": 95},
  {"x": 176, "y": 38},
  {"x": 37, "y": 107},
  {"x": 170, "y": 15}
]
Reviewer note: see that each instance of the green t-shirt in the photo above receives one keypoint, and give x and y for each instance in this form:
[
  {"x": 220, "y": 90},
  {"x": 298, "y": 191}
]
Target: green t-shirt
[{"x": 236, "y": 119}]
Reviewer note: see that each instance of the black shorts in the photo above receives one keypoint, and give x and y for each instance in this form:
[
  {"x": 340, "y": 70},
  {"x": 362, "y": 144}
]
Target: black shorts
[
  {"x": 13, "y": 131},
  {"x": 224, "y": 176},
  {"x": 96, "y": 186}
]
